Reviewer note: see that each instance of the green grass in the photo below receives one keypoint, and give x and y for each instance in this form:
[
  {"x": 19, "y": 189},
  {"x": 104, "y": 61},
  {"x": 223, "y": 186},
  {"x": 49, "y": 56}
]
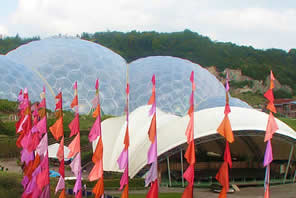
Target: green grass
[
  {"x": 161, "y": 195},
  {"x": 252, "y": 99},
  {"x": 290, "y": 122}
]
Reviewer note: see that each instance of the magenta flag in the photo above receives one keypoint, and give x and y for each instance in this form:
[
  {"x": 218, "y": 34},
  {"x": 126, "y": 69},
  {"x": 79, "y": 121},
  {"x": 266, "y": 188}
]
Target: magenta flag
[
  {"x": 123, "y": 159},
  {"x": 124, "y": 179},
  {"x": 31, "y": 185},
  {"x": 268, "y": 154},
  {"x": 95, "y": 130},
  {"x": 152, "y": 153},
  {"x": 42, "y": 126},
  {"x": 152, "y": 174},
  {"x": 25, "y": 181},
  {"x": 60, "y": 185}
]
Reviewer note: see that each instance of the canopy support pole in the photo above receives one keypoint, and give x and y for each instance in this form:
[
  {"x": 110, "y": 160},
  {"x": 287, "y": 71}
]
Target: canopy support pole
[
  {"x": 182, "y": 168},
  {"x": 288, "y": 165},
  {"x": 169, "y": 171}
]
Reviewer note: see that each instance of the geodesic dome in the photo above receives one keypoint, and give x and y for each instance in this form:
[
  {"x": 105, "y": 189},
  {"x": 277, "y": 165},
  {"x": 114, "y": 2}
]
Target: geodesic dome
[
  {"x": 61, "y": 61},
  {"x": 15, "y": 77},
  {"x": 173, "y": 87}
]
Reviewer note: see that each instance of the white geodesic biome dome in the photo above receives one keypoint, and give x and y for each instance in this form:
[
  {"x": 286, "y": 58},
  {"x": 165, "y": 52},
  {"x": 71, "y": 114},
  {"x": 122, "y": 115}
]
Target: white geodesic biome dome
[
  {"x": 14, "y": 77},
  {"x": 60, "y": 62}
]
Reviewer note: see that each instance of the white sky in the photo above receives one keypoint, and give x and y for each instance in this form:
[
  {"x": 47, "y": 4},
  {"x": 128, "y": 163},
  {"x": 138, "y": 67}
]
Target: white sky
[{"x": 259, "y": 23}]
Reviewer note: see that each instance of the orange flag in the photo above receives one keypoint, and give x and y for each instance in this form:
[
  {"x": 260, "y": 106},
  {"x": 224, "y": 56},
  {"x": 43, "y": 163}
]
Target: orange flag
[
  {"x": 74, "y": 146},
  {"x": 60, "y": 153},
  {"x": 96, "y": 112},
  {"x": 222, "y": 176},
  {"x": 126, "y": 138},
  {"x": 96, "y": 172},
  {"x": 188, "y": 192},
  {"x": 98, "y": 154},
  {"x": 271, "y": 107},
  {"x": 152, "y": 129},
  {"x": 74, "y": 102},
  {"x": 124, "y": 193},
  {"x": 225, "y": 129},
  {"x": 57, "y": 129},
  {"x": 62, "y": 195},
  {"x": 190, "y": 153},
  {"x": 98, "y": 190}
]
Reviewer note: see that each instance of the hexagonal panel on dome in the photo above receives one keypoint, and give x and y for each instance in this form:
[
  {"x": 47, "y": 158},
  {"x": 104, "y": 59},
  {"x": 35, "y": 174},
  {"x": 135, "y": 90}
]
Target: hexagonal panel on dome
[
  {"x": 14, "y": 77},
  {"x": 172, "y": 84},
  {"x": 62, "y": 61}
]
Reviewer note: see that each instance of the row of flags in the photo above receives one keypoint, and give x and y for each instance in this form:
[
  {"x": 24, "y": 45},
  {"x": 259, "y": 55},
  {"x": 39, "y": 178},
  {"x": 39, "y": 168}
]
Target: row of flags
[{"x": 33, "y": 140}]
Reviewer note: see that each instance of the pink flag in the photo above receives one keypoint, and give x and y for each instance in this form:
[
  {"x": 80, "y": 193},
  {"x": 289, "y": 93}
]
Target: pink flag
[
  {"x": 25, "y": 181},
  {"x": 60, "y": 185},
  {"x": 26, "y": 156},
  {"x": 124, "y": 179},
  {"x": 31, "y": 185},
  {"x": 41, "y": 125},
  {"x": 189, "y": 174},
  {"x": 75, "y": 85},
  {"x": 96, "y": 172},
  {"x": 42, "y": 146},
  {"x": 74, "y": 146},
  {"x": 25, "y": 142},
  {"x": 192, "y": 76},
  {"x": 268, "y": 154},
  {"x": 271, "y": 75},
  {"x": 45, "y": 192},
  {"x": 153, "y": 79},
  {"x": 152, "y": 109},
  {"x": 76, "y": 165},
  {"x": 60, "y": 153},
  {"x": 95, "y": 101},
  {"x": 42, "y": 179},
  {"x": 95, "y": 130},
  {"x": 152, "y": 153},
  {"x": 42, "y": 104},
  {"x": 227, "y": 109},
  {"x": 97, "y": 84},
  {"x": 152, "y": 174},
  {"x": 74, "y": 125},
  {"x": 271, "y": 128},
  {"x": 123, "y": 159},
  {"x": 227, "y": 155},
  {"x": 77, "y": 185}
]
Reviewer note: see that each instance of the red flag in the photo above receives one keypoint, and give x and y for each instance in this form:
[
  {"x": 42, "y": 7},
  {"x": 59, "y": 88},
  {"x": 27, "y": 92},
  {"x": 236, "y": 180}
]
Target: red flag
[
  {"x": 269, "y": 95},
  {"x": 153, "y": 191},
  {"x": 62, "y": 168},
  {"x": 227, "y": 155},
  {"x": 188, "y": 192},
  {"x": 190, "y": 153},
  {"x": 74, "y": 125}
]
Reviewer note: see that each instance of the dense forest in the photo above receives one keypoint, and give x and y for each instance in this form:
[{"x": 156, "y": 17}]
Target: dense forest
[{"x": 192, "y": 46}]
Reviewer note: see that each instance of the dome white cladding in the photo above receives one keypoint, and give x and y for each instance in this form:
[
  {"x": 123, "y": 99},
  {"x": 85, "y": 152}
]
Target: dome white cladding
[
  {"x": 14, "y": 77},
  {"x": 171, "y": 132},
  {"x": 59, "y": 62},
  {"x": 173, "y": 87},
  {"x": 62, "y": 61}
]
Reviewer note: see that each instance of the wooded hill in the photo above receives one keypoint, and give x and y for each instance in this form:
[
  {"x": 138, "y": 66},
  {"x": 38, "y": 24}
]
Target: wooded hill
[{"x": 199, "y": 49}]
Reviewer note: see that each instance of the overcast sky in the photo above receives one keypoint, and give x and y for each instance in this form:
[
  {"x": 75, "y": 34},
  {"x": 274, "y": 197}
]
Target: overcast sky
[{"x": 259, "y": 23}]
